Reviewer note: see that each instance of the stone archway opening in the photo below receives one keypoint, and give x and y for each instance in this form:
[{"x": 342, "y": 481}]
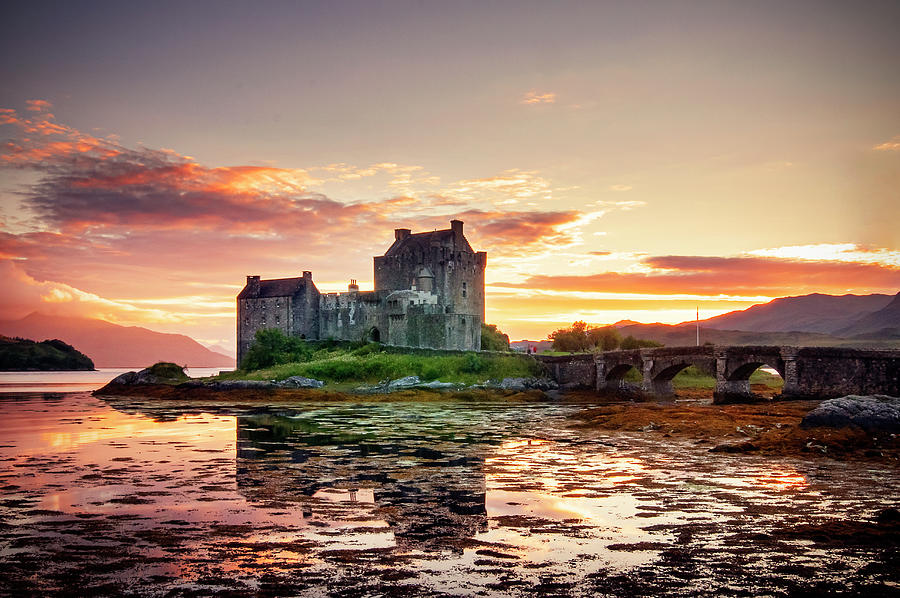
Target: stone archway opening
[
  {"x": 765, "y": 381},
  {"x": 375, "y": 335},
  {"x": 624, "y": 378},
  {"x": 752, "y": 379}
]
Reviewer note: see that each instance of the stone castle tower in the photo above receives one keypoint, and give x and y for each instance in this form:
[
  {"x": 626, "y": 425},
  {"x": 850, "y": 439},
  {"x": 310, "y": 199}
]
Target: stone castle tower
[{"x": 429, "y": 293}]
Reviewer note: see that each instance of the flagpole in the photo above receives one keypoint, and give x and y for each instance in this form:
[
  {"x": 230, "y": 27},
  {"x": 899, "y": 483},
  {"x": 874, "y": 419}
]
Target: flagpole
[{"x": 698, "y": 325}]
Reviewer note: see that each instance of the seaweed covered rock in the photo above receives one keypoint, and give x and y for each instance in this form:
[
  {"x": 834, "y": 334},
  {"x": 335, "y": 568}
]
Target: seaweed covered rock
[
  {"x": 874, "y": 413},
  {"x": 522, "y": 384}
]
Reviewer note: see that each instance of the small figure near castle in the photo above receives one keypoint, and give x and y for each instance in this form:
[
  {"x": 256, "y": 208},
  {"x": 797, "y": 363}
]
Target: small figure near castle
[{"x": 429, "y": 293}]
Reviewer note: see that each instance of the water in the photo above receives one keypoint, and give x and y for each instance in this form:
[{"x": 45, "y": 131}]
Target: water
[
  {"x": 74, "y": 381},
  {"x": 104, "y": 497}
]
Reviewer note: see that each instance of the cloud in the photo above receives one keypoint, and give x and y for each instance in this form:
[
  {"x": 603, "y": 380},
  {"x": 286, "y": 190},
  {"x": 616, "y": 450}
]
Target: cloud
[
  {"x": 38, "y": 105},
  {"x": 112, "y": 221},
  {"x": 742, "y": 275},
  {"x": 534, "y": 97},
  {"x": 889, "y": 146},
  {"x": 620, "y": 188}
]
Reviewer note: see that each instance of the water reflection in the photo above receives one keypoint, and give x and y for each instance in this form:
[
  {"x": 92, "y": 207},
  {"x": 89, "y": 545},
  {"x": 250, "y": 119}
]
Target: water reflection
[
  {"x": 445, "y": 497},
  {"x": 430, "y": 493}
]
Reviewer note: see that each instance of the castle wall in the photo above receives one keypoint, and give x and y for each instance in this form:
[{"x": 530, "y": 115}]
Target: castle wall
[
  {"x": 350, "y": 316},
  {"x": 258, "y": 313}
]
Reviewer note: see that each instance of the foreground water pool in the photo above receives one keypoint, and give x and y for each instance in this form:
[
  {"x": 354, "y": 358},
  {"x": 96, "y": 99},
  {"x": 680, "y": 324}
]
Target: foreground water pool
[{"x": 129, "y": 496}]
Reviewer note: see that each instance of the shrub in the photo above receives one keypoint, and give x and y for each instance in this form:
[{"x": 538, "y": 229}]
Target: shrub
[
  {"x": 167, "y": 369},
  {"x": 629, "y": 342},
  {"x": 579, "y": 338},
  {"x": 272, "y": 347},
  {"x": 472, "y": 364},
  {"x": 493, "y": 339}
]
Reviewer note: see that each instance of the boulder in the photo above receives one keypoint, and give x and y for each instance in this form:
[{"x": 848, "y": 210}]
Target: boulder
[
  {"x": 403, "y": 383},
  {"x": 300, "y": 382},
  {"x": 874, "y": 413}
]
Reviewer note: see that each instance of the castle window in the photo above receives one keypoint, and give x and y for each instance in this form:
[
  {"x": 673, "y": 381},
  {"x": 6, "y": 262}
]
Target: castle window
[{"x": 464, "y": 290}]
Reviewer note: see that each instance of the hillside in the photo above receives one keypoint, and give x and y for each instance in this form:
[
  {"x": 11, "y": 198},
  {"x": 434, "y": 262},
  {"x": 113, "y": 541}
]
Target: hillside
[
  {"x": 19, "y": 354},
  {"x": 825, "y": 314},
  {"x": 683, "y": 335},
  {"x": 884, "y": 323},
  {"x": 111, "y": 345}
]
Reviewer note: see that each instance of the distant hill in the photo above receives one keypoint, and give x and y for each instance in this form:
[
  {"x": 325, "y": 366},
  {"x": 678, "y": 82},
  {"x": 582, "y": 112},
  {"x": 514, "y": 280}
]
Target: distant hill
[
  {"x": 19, "y": 354},
  {"x": 884, "y": 323},
  {"x": 682, "y": 335},
  {"x": 111, "y": 345},
  {"x": 826, "y": 314}
]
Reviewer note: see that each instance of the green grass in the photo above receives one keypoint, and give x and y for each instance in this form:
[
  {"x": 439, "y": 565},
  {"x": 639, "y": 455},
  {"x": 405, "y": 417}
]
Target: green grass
[
  {"x": 691, "y": 377},
  {"x": 369, "y": 365}
]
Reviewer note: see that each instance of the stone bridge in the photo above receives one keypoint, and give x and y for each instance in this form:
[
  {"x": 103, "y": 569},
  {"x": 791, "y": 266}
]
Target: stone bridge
[{"x": 808, "y": 372}]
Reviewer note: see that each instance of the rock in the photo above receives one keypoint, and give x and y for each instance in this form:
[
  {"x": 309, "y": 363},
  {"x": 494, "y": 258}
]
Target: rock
[
  {"x": 514, "y": 384},
  {"x": 740, "y": 447},
  {"x": 143, "y": 377},
  {"x": 875, "y": 413},
  {"x": 300, "y": 382},
  {"x": 126, "y": 378},
  {"x": 437, "y": 385},
  {"x": 402, "y": 383},
  {"x": 523, "y": 384}
]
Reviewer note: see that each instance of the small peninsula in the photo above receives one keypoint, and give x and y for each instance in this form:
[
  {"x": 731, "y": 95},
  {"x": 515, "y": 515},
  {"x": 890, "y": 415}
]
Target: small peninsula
[{"x": 19, "y": 354}]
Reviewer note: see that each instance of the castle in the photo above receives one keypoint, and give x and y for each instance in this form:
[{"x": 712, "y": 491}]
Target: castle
[{"x": 429, "y": 293}]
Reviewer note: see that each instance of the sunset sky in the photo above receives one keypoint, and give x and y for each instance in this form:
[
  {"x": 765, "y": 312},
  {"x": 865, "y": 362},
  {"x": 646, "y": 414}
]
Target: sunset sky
[{"x": 617, "y": 160}]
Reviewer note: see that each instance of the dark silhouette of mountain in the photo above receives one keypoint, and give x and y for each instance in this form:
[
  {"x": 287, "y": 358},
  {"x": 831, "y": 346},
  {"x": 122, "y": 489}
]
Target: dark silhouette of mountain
[
  {"x": 884, "y": 323},
  {"x": 685, "y": 335},
  {"x": 111, "y": 345},
  {"x": 818, "y": 313}
]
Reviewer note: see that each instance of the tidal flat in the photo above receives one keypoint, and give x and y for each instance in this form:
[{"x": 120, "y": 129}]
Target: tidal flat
[{"x": 475, "y": 495}]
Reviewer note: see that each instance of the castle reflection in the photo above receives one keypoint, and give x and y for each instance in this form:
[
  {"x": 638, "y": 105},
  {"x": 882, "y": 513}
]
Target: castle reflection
[{"x": 430, "y": 492}]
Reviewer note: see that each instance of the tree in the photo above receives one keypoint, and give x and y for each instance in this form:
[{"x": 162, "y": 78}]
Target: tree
[
  {"x": 580, "y": 338},
  {"x": 493, "y": 339}
]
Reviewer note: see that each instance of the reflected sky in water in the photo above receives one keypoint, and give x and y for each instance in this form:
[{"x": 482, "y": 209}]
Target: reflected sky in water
[{"x": 444, "y": 496}]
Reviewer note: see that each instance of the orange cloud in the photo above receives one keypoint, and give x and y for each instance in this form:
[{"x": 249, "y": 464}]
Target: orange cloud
[
  {"x": 534, "y": 97},
  {"x": 714, "y": 276},
  {"x": 889, "y": 146}
]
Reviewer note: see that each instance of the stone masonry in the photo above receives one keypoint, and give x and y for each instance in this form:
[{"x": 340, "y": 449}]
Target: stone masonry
[{"x": 429, "y": 293}]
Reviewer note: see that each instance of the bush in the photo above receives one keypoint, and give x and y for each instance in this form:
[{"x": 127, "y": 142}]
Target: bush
[
  {"x": 167, "y": 369},
  {"x": 629, "y": 342},
  {"x": 493, "y": 339},
  {"x": 472, "y": 364},
  {"x": 580, "y": 339},
  {"x": 273, "y": 347}
]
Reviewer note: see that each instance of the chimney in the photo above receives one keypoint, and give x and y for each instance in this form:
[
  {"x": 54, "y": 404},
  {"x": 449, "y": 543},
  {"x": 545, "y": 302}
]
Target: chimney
[
  {"x": 353, "y": 287},
  {"x": 307, "y": 275},
  {"x": 457, "y": 227},
  {"x": 253, "y": 284},
  {"x": 401, "y": 233}
]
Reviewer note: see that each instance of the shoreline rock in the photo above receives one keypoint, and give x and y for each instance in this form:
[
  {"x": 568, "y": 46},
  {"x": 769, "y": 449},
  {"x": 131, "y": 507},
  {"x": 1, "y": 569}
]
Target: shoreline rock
[{"x": 872, "y": 413}]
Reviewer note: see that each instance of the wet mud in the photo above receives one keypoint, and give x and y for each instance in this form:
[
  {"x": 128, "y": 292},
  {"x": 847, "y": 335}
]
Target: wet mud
[{"x": 474, "y": 495}]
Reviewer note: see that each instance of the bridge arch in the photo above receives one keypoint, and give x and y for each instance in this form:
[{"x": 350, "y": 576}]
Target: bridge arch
[{"x": 662, "y": 367}]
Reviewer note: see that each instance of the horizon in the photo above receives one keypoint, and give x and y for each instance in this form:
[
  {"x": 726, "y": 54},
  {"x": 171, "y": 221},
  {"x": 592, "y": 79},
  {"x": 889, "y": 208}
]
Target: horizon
[{"x": 615, "y": 161}]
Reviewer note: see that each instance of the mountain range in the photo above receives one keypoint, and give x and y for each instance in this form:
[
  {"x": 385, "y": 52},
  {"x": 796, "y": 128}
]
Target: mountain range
[
  {"x": 813, "y": 320},
  {"x": 111, "y": 345}
]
